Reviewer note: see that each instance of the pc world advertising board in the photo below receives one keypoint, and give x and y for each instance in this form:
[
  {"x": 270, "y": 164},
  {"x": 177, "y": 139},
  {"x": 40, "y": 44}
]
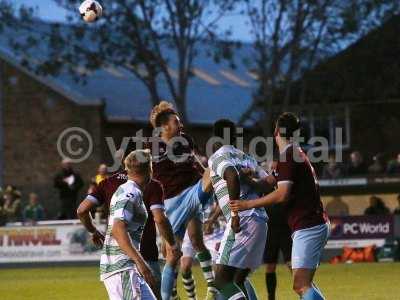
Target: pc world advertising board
[{"x": 360, "y": 231}]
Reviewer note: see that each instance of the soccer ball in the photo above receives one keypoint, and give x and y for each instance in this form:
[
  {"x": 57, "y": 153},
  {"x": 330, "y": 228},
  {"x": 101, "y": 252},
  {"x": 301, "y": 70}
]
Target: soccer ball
[{"x": 90, "y": 10}]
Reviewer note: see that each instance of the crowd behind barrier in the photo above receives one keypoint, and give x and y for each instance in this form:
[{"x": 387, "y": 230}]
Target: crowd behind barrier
[{"x": 17, "y": 207}]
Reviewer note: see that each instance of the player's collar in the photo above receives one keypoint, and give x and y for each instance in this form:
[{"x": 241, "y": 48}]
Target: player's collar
[
  {"x": 134, "y": 183},
  {"x": 228, "y": 146},
  {"x": 225, "y": 148}
]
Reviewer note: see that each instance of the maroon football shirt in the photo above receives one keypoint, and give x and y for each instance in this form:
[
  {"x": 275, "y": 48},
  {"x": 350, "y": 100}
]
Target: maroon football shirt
[
  {"x": 304, "y": 206},
  {"x": 153, "y": 197},
  {"x": 174, "y": 173}
]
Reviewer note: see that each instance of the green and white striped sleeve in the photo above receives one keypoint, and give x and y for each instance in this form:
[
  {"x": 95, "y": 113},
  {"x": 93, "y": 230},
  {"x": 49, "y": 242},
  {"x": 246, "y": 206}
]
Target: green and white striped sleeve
[
  {"x": 123, "y": 208},
  {"x": 220, "y": 164}
]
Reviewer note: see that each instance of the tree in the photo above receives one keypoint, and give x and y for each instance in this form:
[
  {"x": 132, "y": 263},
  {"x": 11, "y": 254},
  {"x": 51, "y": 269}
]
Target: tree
[
  {"x": 139, "y": 36},
  {"x": 291, "y": 36}
]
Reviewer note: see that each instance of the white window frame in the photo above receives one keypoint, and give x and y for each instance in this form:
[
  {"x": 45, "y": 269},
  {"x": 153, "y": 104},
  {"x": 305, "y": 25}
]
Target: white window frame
[{"x": 311, "y": 120}]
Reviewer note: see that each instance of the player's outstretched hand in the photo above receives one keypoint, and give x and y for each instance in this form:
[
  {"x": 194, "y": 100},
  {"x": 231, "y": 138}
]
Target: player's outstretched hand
[
  {"x": 238, "y": 205},
  {"x": 145, "y": 271},
  {"x": 98, "y": 238}
]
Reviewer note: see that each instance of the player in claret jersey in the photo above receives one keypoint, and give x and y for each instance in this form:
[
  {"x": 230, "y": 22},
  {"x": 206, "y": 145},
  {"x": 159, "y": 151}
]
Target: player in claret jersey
[
  {"x": 297, "y": 187},
  {"x": 185, "y": 189},
  {"x": 153, "y": 197}
]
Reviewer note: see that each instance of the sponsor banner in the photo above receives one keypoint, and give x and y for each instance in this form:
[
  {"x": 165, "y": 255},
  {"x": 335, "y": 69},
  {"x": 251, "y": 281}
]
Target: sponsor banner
[
  {"x": 358, "y": 181},
  {"x": 384, "y": 180},
  {"x": 339, "y": 244},
  {"x": 49, "y": 243},
  {"x": 343, "y": 182},
  {"x": 361, "y": 227}
]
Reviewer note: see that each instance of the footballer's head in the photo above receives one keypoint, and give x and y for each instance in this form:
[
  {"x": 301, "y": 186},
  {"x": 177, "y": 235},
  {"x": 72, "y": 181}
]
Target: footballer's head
[
  {"x": 164, "y": 116},
  {"x": 138, "y": 164},
  {"x": 287, "y": 126},
  {"x": 225, "y": 131}
]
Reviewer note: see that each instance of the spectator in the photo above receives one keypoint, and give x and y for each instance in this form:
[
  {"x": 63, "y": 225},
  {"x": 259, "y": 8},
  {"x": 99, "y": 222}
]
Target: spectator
[
  {"x": 101, "y": 173},
  {"x": 397, "y": 210},
  {"x": 68, "y": 183},
  {"x": 332, "y": 170},
  {"x": 356, "y": 165},
  {"x": 337, "y": 207},
  {"x": 378, "y": 166},
  {"x": 34, "y": 211},
  {"x": 10, "y": 189},
  {"x": 394, "y": 166},
  {"x": 12, "y": 205},
  {"x": 376, "y": 207},
  {"x": 3, "y": 217}
]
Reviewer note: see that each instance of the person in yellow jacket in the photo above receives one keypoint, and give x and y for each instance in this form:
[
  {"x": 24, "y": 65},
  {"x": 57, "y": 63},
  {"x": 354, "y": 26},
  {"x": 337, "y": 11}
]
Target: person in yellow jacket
[{"x": 101, "y": 173}]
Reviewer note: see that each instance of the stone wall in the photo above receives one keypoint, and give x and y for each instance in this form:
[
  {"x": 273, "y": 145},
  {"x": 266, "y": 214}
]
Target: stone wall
[{"x": 34, "y": 115}]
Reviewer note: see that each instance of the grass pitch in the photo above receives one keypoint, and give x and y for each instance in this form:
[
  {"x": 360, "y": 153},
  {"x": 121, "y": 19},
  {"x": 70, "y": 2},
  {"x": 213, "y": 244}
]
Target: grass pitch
[{"x": 340, "y": 282}]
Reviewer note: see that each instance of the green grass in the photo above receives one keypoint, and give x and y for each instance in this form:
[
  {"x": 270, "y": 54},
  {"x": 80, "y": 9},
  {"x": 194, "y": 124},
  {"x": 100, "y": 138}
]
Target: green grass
[{"x": 340, "y": 282}]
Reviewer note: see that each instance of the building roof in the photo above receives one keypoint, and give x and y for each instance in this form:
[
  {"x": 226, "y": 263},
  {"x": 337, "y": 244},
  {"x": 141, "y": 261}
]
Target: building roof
[
  {"x": 7, "y": 55},
  {"x": 367, "y": 71},
  {"x": 215, "y": 90}
]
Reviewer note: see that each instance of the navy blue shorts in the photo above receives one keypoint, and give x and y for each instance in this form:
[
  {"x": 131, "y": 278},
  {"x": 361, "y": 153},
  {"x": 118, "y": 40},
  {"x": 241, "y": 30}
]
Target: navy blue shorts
[{"x": 278, "y": 240}]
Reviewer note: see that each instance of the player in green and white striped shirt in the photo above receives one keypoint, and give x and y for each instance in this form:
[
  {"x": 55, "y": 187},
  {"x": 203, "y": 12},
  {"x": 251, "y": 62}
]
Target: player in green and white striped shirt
[
  {"x": 122, "y": 269},
  {"x": 242, "y": 245}
]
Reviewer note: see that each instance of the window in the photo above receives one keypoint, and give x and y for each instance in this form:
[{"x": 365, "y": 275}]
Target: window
[{"x": 333, "y": 126}]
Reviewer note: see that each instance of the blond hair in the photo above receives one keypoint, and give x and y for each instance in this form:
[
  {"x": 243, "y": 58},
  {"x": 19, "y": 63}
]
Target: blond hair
[
  {"x": 138, "y": 161},
  {"x": 162, "y": 107}
]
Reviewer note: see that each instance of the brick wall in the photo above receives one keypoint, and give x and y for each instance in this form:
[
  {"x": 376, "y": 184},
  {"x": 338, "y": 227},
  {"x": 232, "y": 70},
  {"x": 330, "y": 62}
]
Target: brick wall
[{"x": 33, "y": 117}]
